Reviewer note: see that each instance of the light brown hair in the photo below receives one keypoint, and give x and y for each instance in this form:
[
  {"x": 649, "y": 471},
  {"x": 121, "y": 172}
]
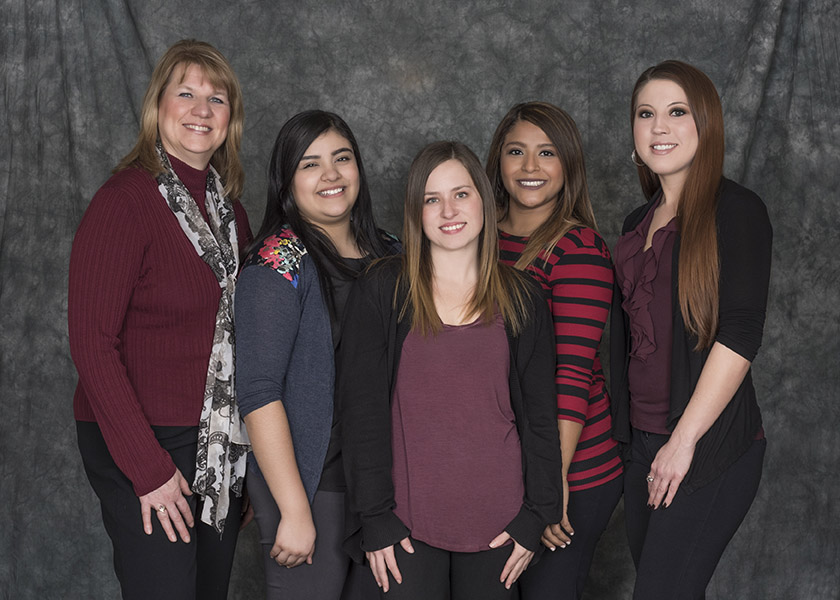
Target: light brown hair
[
  {"x": 499, "y": 287},
  {"x": 219, "y": 73},
  {"x": 573, "y": 207},
  {"x": 699, "y": 263}
]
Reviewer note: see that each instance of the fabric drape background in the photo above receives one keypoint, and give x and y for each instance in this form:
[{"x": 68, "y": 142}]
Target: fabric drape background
[{"x": 403, "y": 74}]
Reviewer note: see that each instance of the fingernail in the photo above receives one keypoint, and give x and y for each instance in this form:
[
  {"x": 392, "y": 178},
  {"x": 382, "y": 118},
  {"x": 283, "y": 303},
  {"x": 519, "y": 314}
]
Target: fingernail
[{"x": 552, "y": 548}]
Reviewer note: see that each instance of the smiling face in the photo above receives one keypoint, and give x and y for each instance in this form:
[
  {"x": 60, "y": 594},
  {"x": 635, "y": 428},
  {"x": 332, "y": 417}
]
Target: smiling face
[
  {"x": 531, "y": 169},
  {"x": 326, "y": 183},
  {"x": 193, "y": 116},
  {"x": 453, "y": 212},
  {"x": 664, "y": 130}
]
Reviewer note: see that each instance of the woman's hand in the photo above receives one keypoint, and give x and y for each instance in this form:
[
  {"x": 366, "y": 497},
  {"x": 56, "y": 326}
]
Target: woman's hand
[
  {"x": 295, "y": 541},
  {"x": 170, "y": 505},
  {"x": 668, "y": 470},
  {"x": 518, "y": 561},
  {"x": 382, "y": 561},
  {"x": 559, "y": 534}
]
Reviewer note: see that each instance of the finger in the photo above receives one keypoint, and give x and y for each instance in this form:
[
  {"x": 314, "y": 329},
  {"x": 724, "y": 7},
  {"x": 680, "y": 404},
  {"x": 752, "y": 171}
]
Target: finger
[
  {"x": 163, "y": 517},
  {"x": 391, "y": 562},
  {"x": 406, "y": 545},
  {"x": 382, "y": 570},
  {"x": 509, "y": 566},
  {"x": 375, "y": 567},
  {"x": 184, "y": 508},
  {"x": 517, "y": 570},
  {"x": 560, "y": 533},
  {"x": 178, "y": 522},
  {"x": 146, "y": 513},
  {"x": 566, "y": 526},
  {"x": 672, "y": 491},
  {"x": 500, "y": 539},
  {"x": 185, "y": 487},
  {"x": 548, "y": 544}
]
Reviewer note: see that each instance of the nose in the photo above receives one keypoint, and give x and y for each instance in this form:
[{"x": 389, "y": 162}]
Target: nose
[
  {"x": 448, "y": 208},
  {"x": 660, "y": 124},
  {"x": 202, "y": 108},
  {"x": 531, "y": 163},
  {"x": 330, "y": 172}
]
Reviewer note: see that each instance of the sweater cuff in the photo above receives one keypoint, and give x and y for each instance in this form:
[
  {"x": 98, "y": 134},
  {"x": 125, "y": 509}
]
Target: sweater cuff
[
  {"x": 526, "y": 528},
  {"x": 382, "y": 531},
  {"x": 154, "y": 475}
]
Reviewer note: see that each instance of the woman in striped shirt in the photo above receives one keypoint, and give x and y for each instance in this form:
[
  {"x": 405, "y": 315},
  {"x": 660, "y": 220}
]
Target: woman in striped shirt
[{"x": 547, "y": 227}]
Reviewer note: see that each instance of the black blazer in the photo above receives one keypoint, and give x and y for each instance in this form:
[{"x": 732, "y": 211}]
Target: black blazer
[
  {"x": 745, "y": 239},
  {"x": 365, "y": 377}
]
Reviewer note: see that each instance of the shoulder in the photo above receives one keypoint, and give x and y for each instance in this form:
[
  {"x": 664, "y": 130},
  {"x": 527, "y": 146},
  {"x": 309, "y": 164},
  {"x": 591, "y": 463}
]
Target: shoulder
[
  {"x": 582, "y": 240},
  {"x": 392, "y": 242},
  {"x": 736, "y": 201},
  {"x": 382, "y": 272},
  {"x": 281, "y": 252},
  {"x": 635, "y": 217}
]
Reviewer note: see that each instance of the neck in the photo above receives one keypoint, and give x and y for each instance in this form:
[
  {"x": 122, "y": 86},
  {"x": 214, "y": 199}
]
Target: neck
[
  {"x": 524, "y": 221},
  {"x": 460, "y": 267},
  {"x": 672, "y": 187},
  {"x": 341, "y": 235}
]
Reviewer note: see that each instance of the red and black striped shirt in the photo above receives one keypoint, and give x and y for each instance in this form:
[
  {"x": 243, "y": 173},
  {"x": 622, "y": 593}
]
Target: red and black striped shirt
[{"x": 577, "y": 277}]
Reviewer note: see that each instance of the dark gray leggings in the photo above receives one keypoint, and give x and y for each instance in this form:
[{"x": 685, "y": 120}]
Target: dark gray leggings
[
  {"x": 332, "y": 574},
  {"x": 676, "y": 549}
]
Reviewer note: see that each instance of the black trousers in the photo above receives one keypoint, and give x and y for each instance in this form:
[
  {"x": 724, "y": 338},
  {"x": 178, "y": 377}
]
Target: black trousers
[
  {"x": 434, "y": 574},
  {"x": 150, "y": 566},
  {"x": 561, "y": 575},
  {"x": 677, "y": 549},
  {"x": 332, "y": 574}
]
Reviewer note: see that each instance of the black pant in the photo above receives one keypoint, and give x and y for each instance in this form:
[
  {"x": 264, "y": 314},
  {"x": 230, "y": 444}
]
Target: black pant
[
  {"x": 434, "y": 574},
  {"x": 677, "y": 549},
  {"x": 150, "y": 566},
  {"x": 332, "y": 575},
  {"x": 561, "y": 575}
]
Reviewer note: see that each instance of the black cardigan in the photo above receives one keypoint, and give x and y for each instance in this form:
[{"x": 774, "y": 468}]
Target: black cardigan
[
  {"x": 744, "y": 244},
  {"x": 365, "y": 377}
]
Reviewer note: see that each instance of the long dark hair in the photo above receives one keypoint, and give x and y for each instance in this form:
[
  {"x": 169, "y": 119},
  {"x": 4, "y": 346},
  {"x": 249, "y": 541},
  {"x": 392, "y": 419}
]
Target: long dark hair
[
  {"x": 573, "y": 207},
  {"x": 296, "y": 135},
  {"x": 699, "y": 266}
]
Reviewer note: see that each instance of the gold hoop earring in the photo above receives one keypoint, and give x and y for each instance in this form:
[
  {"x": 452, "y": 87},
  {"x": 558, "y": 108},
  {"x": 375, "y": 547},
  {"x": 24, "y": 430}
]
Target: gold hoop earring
[{"x": 633, "y": 158}]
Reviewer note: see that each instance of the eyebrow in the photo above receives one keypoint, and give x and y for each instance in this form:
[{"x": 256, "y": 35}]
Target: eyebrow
[
  {"x": 518, "y": 143},
  {"x": 685, "y": 102},
  {"x": 333, "y": 153},
  {"x": 455, "y": 189}
]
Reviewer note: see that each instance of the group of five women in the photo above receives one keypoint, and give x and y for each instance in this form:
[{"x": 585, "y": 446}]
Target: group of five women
[{"x": 433, "y": 406}]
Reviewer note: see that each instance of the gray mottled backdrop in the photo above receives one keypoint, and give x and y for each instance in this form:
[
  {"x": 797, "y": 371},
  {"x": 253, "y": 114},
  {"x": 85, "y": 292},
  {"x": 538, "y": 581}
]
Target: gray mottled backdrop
[{"x": 403, "y": 74}]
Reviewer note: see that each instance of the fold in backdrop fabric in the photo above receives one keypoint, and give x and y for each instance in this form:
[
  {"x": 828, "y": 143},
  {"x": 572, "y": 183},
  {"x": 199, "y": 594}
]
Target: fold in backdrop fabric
[{"x": 403, "y": 74}]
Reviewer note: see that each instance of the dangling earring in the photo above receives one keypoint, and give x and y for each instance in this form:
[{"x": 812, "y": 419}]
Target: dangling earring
[{"x": 633, "y": 158}]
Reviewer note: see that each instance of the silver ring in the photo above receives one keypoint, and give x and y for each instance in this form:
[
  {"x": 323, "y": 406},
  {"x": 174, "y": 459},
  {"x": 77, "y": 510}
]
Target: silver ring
[
  {"x": 161, "y": 509},
  {"x": 649, "y": 478}
]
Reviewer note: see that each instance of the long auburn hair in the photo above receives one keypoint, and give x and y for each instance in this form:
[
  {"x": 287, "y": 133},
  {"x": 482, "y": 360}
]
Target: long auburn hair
[
  {"x": 295, "y": 136},
  {"x": 699, "y": 262},
  {"x": 499, "y": 287},
  {"x": 219, "y": 73},
  {"x": 573, "y": 207}
]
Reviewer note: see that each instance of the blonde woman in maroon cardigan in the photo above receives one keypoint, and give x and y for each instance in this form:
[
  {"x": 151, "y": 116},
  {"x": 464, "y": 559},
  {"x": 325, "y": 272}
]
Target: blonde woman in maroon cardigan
[{"x": 150, "y": 320}]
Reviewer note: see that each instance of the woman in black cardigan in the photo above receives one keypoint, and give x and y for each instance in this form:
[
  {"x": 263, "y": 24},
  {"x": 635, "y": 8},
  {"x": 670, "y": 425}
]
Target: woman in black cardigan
[{"x": 692, "y": 268}]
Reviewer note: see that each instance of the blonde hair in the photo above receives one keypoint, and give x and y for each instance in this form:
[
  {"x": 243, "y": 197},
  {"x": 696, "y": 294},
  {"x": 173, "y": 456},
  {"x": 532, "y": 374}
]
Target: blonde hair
[
  {"x": 499, "y": 289},
  {"x": 215, "y": 67}
]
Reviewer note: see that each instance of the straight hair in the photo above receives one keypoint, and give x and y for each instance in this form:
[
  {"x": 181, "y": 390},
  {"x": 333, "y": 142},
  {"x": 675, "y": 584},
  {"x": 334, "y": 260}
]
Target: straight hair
[
  {"x": 215, "y": 67},
  {"x": 573, "y": 207},
  {"x": 699, "y": 261},
  {"x": 499, "y": 288}
]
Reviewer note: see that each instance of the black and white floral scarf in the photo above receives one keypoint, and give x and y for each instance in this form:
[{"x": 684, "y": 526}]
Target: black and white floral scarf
[{"x": 223, "y": 442}]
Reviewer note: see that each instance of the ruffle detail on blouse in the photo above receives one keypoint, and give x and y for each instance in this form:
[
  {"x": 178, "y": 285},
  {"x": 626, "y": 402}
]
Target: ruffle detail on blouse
[{"x": 637, "y": 283}]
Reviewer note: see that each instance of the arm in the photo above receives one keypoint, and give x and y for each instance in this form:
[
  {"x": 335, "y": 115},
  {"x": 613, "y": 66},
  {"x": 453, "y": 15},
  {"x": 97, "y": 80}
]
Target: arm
[
  {"x": 268, "y": 313},
  {"x": 364, "y": 400},
  {"x": 581, "y": 292},
  {"x": 745, "y": 242},
  {"x": 101, "y": 284}
]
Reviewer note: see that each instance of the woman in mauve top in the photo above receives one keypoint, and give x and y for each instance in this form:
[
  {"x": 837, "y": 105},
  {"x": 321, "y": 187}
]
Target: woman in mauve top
[
  {"x": 447, "y": 400},
  {"x": 547, "y": 228},
  {"x": 692, "y": 273}
]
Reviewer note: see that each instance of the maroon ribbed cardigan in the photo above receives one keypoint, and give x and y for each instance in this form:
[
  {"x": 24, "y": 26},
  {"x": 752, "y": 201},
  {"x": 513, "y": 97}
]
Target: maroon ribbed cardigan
[{"x": 141, "y": 314}]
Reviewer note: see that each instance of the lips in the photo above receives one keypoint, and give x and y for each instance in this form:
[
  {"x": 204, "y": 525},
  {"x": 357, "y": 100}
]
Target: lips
[
  {"x": 198, "y": 128},
  {"x": 452, "y": 227},
  {"x": 331, "y": 192},
  {"x": 531, "y": 184},
  {"x": 663, "y": 147}
]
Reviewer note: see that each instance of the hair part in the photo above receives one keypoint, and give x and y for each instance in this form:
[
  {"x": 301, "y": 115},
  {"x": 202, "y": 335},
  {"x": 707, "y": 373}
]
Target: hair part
[
  {"x": 699, "y": 262},
  {"x": 499, "y": 288},
  {"x": 218, "y": 71},
  {"x": 281, "y": 210},
  {"x": 573, "y": 207}
]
